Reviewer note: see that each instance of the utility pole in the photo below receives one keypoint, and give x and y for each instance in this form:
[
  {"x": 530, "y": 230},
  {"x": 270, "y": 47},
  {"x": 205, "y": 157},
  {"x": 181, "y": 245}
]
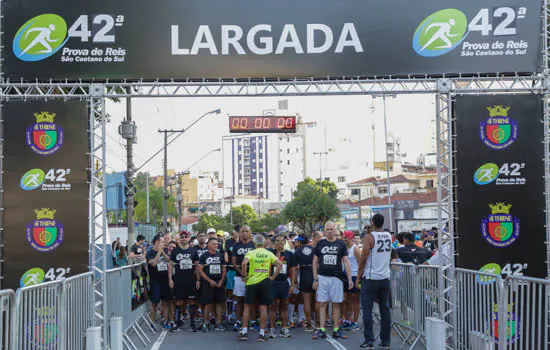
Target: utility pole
[
  {"x": 180, "y": 198},
  {"x": 320, "y": 154},
  {"x": 147, "y": 199},
  {"x": 127, "y": 130},
  {"x": 165, "y": 187}
]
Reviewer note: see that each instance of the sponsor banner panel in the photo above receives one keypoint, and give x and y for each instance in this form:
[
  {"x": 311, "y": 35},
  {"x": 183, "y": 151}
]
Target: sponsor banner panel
[
  {"x": 45, "y": 191},
  {"x": 500, "y": 184},
  {"x": 280, "y": 39}
]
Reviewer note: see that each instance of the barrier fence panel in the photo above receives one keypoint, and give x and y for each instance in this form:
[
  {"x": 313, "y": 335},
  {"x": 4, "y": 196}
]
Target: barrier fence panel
[
  {"x": 7, "y": 314},
  {"x": 40, "y": 317},
  {"x": 79, "y": 299},
  {"x": 429, "y": 302},
  {"x": 525, "y": 306},
  {"x": 478, "y": 296}
]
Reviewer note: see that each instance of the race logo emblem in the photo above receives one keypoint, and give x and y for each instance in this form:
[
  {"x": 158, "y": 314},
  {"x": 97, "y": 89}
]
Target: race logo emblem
[
  {"x": 512, "y": 325},
  {"x": 500, "y": 229},
  {"x": 40, "y": 37},
  {"x": 45, "y": 234},
  {"x": 490, "y": 268},
  {"x": 43, "y": 330},
  {"x": 486, "y": 174},
  {"x": 498, "y": 131},
  {"x": 32, "y": 179},
  {"x": 45, "y": 137},
  {"x": 32, "y": 277},
  {"x": 440, "y": 33}
]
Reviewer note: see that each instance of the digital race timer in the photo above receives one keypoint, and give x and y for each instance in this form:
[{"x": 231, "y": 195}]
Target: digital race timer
[{"x": 262, "y": 124}]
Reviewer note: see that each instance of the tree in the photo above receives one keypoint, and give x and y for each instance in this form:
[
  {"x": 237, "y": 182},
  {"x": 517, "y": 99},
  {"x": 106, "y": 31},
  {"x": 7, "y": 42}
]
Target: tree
[
  {"x": 325, "y": 186},
  {"x": 243, "y": 215},
  {"x": 311, "y": 206},
  {"x": 211, "y": 220},
  {"x": 155, "y": 205},
  {"x": 267, "y": 222}
]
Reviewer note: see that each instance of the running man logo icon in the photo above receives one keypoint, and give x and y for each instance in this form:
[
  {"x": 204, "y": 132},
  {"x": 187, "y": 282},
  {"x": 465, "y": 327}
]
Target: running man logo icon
[
  {"x": 486, "y": 174},
  {"x": 40, "y": 37},
  {"x": 32, "y": 179},
  {"x": 32, "y": 277},
  {"x": 440, "y": 33}
]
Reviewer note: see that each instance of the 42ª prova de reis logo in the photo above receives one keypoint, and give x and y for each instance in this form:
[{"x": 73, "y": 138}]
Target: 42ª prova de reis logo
[
  {"x": 45, "y": 137},
  {"x": 44, "y": 35},
  {"x": 498, "y": 131},
  {"x": 447, "y": 29},
  {"x": 45, "y": 233},
  {"x": 500, "y": 228}
]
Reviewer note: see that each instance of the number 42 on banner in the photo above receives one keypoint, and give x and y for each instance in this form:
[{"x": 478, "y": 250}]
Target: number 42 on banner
[{"x": 103, "y": 27}]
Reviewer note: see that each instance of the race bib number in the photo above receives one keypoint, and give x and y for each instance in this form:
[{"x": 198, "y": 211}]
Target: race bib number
[
  {"x": 162, "y": 266},
  {"x": 283, "y": 269},
  {"x": 329, "y": 259},
  {"x": 215, "y": 269},
  {"x": 186, "y": 264}
]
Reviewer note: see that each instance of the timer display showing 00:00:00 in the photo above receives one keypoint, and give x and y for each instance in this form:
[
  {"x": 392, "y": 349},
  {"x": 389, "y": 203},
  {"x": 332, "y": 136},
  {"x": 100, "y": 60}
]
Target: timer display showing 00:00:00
[{"x": 263, "y": 123}]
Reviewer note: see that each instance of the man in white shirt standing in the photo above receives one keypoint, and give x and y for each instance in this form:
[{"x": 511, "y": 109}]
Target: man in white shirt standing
[{"x": 374, "y": 274}]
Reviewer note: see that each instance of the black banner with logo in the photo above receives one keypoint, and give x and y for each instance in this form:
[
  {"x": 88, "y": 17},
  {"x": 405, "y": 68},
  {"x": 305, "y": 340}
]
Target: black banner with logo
[
  {"x": 140, "y": 39},
  {"x": 500, "y": 184},
  {"x": 45, "y": 191}
]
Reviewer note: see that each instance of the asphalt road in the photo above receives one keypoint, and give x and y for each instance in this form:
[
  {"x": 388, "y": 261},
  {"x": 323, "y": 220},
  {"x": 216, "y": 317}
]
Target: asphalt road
[{"x": 299, "y": 340}]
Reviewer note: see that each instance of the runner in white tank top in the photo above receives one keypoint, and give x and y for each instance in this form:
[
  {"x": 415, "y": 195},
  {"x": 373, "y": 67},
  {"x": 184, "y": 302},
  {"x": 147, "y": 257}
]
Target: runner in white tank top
[
  {"x": 351, "y": 306},
  {"x": 378, "y": 263},
  {"x": 374, "y": 269}
]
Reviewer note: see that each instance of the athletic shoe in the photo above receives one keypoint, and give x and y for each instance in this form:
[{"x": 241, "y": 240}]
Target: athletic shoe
[
  {"x": 255, "y": 326},
  {"x": 272, "y": 333},
  {"x": 237, "y": 326},
  {"x": 243, "y": 335},
  {"x": 292, "y": 325},
  {"x": 339, "y": 335},
  {"x": 175, "y": 329},
  {"x": 219, "y": 328},
  {"x": 302, "y": 324},
  {"x": 262, "y": 338},
  {"x": 319, "y": 335},
  {"x": 309, "y": 328},
  {"x": 193, "y": 326},
  {"x": 166, "y": 325},
  {"x": 367, "y": 345},
  {"x": 345, "y": 325},
  {"x": 383, "y": 347},
  {"x": 179, "y": 324},
  {"x": 204, "y": 327},
  {"x": 285, "y": 333},
  {"x": 354, "y": 327}
]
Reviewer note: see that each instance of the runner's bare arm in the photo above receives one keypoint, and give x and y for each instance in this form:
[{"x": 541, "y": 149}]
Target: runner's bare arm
[
  {"x": 368, "y": 243},
  {"x": 244, "y": 270},
  {"x": 237, "y": 268},
  {"x": 278, "y": 266}
]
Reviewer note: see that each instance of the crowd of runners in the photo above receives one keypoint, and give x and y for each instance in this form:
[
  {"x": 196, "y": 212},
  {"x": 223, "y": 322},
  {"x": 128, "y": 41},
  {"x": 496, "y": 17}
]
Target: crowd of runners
[{"x": 275, "y": 282}]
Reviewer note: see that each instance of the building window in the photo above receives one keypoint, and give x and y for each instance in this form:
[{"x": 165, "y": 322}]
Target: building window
[
  {"x": 246, "y": 152},
  {"x": 288, "y": 151},
  {"x": 246, "y": 171},
  {"x": 247, "y": 162},
  {"x": 430, "y": 184},
  {"x": 288, "y": 162},
  {"x": 246, "y": 142},
  {"x": 247, "y": 181},
  {"x": 341, "y": 179},
  {"x": 247, "y": 190},
  {"x": 383, "y": 190}
]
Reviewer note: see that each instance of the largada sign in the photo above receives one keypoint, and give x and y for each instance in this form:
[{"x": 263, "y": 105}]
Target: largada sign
[{"x": 183, "y": 39}]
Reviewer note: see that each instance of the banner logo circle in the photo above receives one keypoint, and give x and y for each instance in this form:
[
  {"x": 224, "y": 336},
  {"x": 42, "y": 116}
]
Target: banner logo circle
[{"x": 40, "y": 38}]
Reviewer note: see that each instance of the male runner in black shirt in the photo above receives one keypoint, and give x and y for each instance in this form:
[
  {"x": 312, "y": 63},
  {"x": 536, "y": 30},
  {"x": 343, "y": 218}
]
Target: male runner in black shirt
[
  {"x": 280, "y": 287},
  {"x": 411, "y": 253},
  {"x": 137, "y": 250},
  {"x": 182, "y": 280},
  {"x": 239, "y": 251},
  {"x": 230, "y": 278},
  {"x": 212, "y": 271},
  {"x": 330, "y": 255},
  {"x": 157, "y": 264}
]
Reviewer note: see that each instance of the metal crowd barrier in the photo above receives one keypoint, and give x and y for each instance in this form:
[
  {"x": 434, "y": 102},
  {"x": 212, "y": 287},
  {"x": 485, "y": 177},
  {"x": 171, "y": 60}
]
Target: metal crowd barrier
[
  {"x": 79, "y": 301},
  {"x": 7, "y": 314},
  {"x": 119, "y": 304},
  {"x": 525, "y": 305},
  {"x": 40, "y": 317},
  {"x": 414, "y": 297},
  {"x": 478, "y": 298}
]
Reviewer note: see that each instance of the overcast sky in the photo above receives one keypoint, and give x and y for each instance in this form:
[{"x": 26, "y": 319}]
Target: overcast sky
[{"x": 410, "y": 117}]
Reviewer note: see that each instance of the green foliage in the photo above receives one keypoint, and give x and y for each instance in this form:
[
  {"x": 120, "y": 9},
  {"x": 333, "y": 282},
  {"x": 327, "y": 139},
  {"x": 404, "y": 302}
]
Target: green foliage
[
  {"x": 325, "y": 186},
  {"x": 312, "y": 205},
  {"x": 242, "y": 215},
  {"x": 155, "y": 201},
  {"x": 211, "y": 220},
  {"x": 267, "y": 223}
]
